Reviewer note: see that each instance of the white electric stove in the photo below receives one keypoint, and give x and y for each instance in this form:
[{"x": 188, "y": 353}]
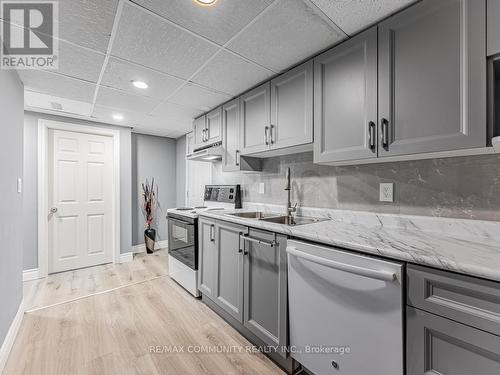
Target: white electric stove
[{"x": 183, "y": 233}]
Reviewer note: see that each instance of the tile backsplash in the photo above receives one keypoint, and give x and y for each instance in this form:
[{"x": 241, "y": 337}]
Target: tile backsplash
[{"x": 465, "y": 187}]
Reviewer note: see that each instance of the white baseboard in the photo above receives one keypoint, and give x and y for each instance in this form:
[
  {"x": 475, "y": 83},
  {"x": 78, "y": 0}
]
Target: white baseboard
[
  {"x": 142, "y": 247},
  {"x": 32, "y": 274},
  {"x": 126, "y": 257},
  {"x": 11, "y": 336}
]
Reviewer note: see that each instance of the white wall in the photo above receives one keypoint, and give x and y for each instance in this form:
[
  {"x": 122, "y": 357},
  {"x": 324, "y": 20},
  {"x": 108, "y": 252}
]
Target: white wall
[
  {"x": 12, "y": 229},
  {"x": 180, "y": 171},
  {"x": 30, "y": 187}
]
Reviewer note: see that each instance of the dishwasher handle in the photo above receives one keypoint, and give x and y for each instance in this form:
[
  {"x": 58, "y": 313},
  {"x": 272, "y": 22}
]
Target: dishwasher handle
[{"x": 366, "y": 272}]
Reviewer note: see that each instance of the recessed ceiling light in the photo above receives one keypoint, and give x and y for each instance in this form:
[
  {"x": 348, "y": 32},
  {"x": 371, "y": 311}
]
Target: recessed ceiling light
[
  {"x": 205, "y": 3},
  {"x": 140, "y": 84},
  {"x": 117, "y": 117}
]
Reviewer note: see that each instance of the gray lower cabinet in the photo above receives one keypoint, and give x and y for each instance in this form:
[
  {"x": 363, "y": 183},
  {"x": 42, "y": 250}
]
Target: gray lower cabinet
[
  {"x": 432, "y": 78},
  {"x": 292, "y": 108},
  {"x": 207, "y": 257},
  {"x": 493, "y": 27},
  {"x": 228, "y": 293},
  {"x": 345, "y": 106},
  {"x": 231, "y": 136},
  {"x": 255, "y": 112},
  {"x": 437, "y": 345},
  {"x": 265, "y": 287}
]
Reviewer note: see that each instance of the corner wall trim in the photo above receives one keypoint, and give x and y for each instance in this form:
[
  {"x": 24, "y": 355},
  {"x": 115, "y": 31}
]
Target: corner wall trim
[
  {"x": 11, "y": 336},
  {"x": 31, "y": 274},
  {"x": 142, "y": 247},
  {"x": 126, "y": 257}
]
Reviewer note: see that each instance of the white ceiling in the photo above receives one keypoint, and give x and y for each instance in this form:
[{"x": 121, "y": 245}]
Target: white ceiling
[{"x": 193, "y": 58}]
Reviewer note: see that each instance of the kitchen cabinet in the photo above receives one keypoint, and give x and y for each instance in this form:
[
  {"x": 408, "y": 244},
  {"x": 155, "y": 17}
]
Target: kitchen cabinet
[
  {"x": 231, "y": 136},
  {"x": 265, "y": 287},
  {"x": 493, "y": 27},
  {"x": 255, "y": 119},
  {"x": 213, "y": 126},
  {"x": 292, "y": 108},
  {"x": 229, "y": 268},
  {"x": 208, "y": 257},
  {"x": 345, "y": 107},
  {"x": 441, "y": 346},
  {"x": 199, "y": 129},
  {"x": 432, "y": 78}
]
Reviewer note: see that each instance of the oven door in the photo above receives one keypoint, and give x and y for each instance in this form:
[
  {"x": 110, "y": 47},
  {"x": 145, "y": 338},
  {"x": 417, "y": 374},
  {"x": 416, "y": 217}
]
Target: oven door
[{"x": 182, "y": 242}]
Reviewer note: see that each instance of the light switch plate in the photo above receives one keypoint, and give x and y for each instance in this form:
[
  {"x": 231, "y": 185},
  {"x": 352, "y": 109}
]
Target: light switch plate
[
  {"x": 387, "y": 192},
  {"x": 262, "y": 188}
]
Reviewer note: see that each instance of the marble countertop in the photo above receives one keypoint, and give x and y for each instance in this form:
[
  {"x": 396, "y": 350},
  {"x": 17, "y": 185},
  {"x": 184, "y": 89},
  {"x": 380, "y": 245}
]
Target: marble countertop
[{"x": 470, "y": 247}]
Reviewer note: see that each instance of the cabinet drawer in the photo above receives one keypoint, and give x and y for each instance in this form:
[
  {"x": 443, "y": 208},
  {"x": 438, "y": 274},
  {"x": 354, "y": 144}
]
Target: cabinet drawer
[
  {"x": 436, "y": 345},
  {"x": 468, "y": 300}
]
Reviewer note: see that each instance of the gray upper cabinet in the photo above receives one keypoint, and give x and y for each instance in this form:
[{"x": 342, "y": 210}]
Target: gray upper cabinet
[
  {"x": 199, "y": 130},
  {"x": 265, "y": 287},
  {"x": 432, "y": 78},
  {"x": 208, "y": 257},
  {"x": 229, "y": 270},
  {"x": 493, "y": 23},
  {"x": 214, "y": 126},
  {"x": 436, "y": 345},
  {"x": 292, "y": 108},
  {"x": 345, "y": 105},
  {"x": 255, "y": 121},
  {"x": 231, "y": 135}
]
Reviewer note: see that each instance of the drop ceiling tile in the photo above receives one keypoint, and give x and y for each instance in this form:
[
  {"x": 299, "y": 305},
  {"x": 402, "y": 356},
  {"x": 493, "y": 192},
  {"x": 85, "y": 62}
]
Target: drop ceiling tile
[
  {"x": 108, "y": 97},
  {"x": 119, "y": 74},
  {"x": 79, "y": 62},
  {"x": 167, "y": 123},
  {"x": 87, "y": 23},
  {"x": 218, "y": 23},
  {"x": 55, "y": 84},
  {"x": 149, "y": 40},
  {"x": 232, "y": 74},
  {"x": 288, "y": 33},
  {"x": 353, "y": 16},
  {"x": 193, "y": 96},
  {"x": 166, "y": 109},
  {"x": 105, "y": 114}
]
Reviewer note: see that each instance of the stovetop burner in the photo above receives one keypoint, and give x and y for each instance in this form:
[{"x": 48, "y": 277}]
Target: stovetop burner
[{"x": 185, "y": 208}]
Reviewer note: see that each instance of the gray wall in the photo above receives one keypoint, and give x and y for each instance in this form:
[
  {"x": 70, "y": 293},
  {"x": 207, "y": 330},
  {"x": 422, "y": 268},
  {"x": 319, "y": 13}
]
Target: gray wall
[
  {"x": 180, "y": 171},
  {"x": 12, "y": 230},
  {"x": 466, "y": 187},
  {"x": 30, "y": 184},
  {"x": 152, "y": 157}
]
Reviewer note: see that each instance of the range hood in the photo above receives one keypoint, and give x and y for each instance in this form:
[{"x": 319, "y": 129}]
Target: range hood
[{"x": 210, "y": 154}]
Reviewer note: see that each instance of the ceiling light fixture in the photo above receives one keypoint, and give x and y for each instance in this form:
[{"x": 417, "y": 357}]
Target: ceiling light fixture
[
  {"x": 205, "y": 3},
  {"x": 117, "y": 117},
  {"x": 140, "y": 84}
]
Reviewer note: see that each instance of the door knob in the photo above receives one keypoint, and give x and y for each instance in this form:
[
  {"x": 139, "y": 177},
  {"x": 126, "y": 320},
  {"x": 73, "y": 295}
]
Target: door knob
[{"x": 53, "y": 210}]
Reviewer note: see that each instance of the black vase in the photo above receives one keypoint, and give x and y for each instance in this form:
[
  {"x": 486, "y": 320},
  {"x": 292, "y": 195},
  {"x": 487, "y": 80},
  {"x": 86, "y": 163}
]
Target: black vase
[{"x": 149, "y": 240}]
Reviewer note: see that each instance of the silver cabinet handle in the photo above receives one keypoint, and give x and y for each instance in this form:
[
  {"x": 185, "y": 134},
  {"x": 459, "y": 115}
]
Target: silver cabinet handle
[
  {"x": 266, "y": 139},
  {"x": 271, "y": 133},
  {"x": 245, "y": 237},
  {"x": 212, "y": 233},
  {"x": 385, "y": 133},
  {"x": 207, "y": 130},
  {"x": 238, "y": 156},
  {"x": 203, "y": 135},
  {"x": 361, "y": 271},
  {"x": 372, "y": 135},
  {"x": 53, "y": 210}
]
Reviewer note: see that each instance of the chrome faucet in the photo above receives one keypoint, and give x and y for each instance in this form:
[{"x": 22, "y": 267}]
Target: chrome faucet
[{"x": 289, "y": 209}]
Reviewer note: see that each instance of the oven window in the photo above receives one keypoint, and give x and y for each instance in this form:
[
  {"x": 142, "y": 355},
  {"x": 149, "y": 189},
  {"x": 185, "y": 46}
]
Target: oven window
[{"x": 180, "y": 234}]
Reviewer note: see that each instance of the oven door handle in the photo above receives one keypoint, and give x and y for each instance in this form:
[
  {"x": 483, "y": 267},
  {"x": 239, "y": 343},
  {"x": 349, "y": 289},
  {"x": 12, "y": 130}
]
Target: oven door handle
[{"x": 180, "y": 221}]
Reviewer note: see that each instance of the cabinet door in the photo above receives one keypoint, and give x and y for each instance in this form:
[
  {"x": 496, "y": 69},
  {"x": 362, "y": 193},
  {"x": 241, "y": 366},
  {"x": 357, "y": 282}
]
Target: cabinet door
[
  {"x": 255, "y": 112},
  {"x": 265, "y": 300},
  {"x": 432, "y": 78},
  {"x": 208, "y": 257},
  {"x": 189, "y": 143},
  {"x": 493, "y": 22},
  {"x": 292, "y": 107},
  {"x": 436, "y": 345},
  {"x": 231, "y": 135},
  {"x": 199, "y": 130},
  {"x": 345, "y": 107},
  {"x": 214, "y": 125},
  {"x": 229, "y": 275}
]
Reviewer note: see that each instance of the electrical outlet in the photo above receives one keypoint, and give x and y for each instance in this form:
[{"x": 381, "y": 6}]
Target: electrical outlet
[
  {"x": 262, "y": 188},
  {"x": 387, "y": 192}
]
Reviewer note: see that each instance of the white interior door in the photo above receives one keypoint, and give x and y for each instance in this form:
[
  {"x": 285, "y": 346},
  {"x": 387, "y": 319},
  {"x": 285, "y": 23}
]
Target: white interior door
[{"x": 81, "y": 200}]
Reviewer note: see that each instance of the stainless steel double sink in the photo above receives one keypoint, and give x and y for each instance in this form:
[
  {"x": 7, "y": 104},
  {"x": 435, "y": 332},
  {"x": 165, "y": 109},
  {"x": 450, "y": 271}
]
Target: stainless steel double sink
[{"x": 276, "y": 218}]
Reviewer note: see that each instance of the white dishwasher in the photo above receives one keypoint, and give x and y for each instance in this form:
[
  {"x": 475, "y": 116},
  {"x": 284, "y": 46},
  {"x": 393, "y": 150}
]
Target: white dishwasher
[{"x": 346, "y": 311}]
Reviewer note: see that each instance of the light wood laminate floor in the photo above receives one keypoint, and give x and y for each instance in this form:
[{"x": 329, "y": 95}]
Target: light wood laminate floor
[{"x": 114, "y": 332}]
